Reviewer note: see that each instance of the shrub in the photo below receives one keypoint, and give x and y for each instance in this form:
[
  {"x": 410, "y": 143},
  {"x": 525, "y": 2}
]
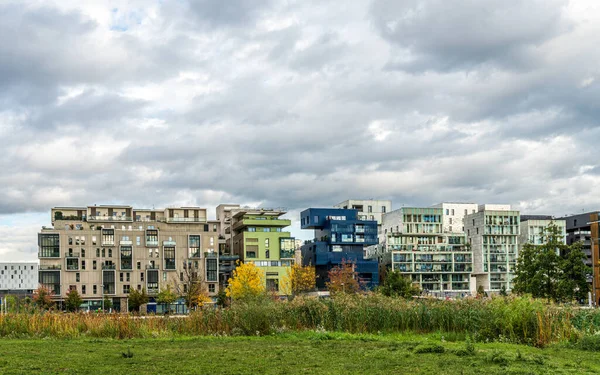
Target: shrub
[
  {"x": 429, "y": 348},
  {"x": 589, "y": 343}
]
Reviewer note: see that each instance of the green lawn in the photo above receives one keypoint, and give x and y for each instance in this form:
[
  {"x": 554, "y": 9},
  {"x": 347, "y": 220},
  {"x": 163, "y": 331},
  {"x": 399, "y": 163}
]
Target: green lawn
[{"x": 306, "y": 353}]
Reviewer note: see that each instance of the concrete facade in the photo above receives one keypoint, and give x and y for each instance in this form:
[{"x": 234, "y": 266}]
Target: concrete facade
[
  {"x": 368, "y": 209},
  {"x": 494, "y": 236},
  {"x": 18, "y": 277},
  {"x": 106, "y": 251},
  {"x": 454, "y": 214}
]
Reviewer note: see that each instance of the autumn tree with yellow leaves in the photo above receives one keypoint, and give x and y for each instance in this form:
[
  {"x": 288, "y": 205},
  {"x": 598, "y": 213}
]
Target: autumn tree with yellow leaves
[
  {"x": 301, "y": 279},
  {"x": 247, "y": 282},
  {"x": 343, "y": 278}
]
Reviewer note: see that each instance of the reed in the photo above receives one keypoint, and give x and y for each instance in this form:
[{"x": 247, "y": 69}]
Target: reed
[{"x": 521, "y": 320}]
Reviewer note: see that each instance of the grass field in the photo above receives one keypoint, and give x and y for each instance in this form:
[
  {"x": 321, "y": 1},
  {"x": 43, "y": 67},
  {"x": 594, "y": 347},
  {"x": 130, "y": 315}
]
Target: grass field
[{"x": 302, "y": 353}]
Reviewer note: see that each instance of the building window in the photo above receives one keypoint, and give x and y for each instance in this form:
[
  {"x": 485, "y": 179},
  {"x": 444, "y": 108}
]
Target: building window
[
  {"x": 103, "y": 253},
  {"x": 94, "y": 265},
  {"x": 383, "y": 209},
  {"x": 141, "y": 276},
  {"x": 110, "y": 253},
  {"x": 266, "y": 229},
  {"x": 94, "y": 289},
  {"x": 267, "y": 254},
  {"x": 77, "y": 277},
  {"x": 83, "y": 265},
  {"x": 128, "y": 277},
  {"x": 138, "y": 240},
  {"x": 83, "y": 289},
  {"x": 453, "y": 212},
  {"x": 211, "y": 288},
  {"x": 370, "y": 208},
  {"x": 371, "y": 217},
  {"x": 169, "y": 256},
  {"x": 450, "y": 220},
  {"x": 450, "y": 228},
  {"x": 251, "y": 251},
  {"x": 316, "y": 219},
  {"x": 121, "y": 277},
  {"x": 83, "y": 253},
  {"x": 211, "y": 270},
  {"x": 195, "y": 248},
  {"x": 273, "y": 285},
  {"x": 477, "y": 229},
  {"x": 49, "y": 245},
  {"x": 126, "y": 289}
]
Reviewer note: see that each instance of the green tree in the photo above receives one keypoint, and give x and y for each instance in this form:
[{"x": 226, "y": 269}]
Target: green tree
[
  {"x": 137, "y": 299},
  {"x": 166, "y": 296},
  {"x": 397, "y": 285},
  {"x": 573, "y": 282},
  {"x": 73, "y": 301},
  {"x": 552, "y": 270},
  {"x": 107, "y": 303}
]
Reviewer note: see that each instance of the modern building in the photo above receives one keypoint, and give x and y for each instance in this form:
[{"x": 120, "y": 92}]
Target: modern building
[
  {"x": 257, "y": 235},
  {"x": 454, "y": 214},
  {"x": 584, "y": 228},
  {"x": 20, "y": 278},
  {"x": 493, "y": 234},
  {"x": 368, "y": 209},
  {"x": 339, "y": 235},
  {"x": 417, "y": 245},
  {"x": 106, "y": 251},
  {"x": 533, "y": 229}
]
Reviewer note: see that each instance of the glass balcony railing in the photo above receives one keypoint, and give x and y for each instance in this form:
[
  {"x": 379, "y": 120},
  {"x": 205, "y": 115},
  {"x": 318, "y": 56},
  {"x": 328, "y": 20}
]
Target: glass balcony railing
[{"x": 109, "y": 218}]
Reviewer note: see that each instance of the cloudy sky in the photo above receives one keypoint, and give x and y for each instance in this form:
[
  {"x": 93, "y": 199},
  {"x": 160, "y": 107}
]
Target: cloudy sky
[{"x": 295, "y": 103}]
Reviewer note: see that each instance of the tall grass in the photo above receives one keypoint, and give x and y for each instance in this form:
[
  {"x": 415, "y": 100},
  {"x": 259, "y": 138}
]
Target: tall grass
[{"x": 514, "y": 319}]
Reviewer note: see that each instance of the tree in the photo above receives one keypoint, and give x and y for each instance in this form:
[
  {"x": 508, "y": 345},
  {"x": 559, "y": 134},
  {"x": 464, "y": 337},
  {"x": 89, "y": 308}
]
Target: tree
[
  {"x": 107, "y": 303},
  {"x": 343, "y": 279},
  {"x": 190, "y": 286},
  {"x": 552, "y": 270},
  {"x": 301, "y": 279},
  {"x": 573, "y": 283},
  {"x": 73, "y": 301},
  {"x": 137, "y": 299},
  {"x": 397, "y": 285},
  {"x": 222, "y": 298},
  {"x": 42, "y": 297},
  {"x": 166, "y": 296},
  {"x": 247, "y": 282}
]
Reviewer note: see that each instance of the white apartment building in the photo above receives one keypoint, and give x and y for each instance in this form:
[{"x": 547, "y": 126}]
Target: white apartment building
[
  {"x": 493, "y": 234},
  {"x": 454, "y": 214},
  {"x": 368, "y": 209},
  {"x": 18, "y": 277},
  {"x": 533, "y": 229}
]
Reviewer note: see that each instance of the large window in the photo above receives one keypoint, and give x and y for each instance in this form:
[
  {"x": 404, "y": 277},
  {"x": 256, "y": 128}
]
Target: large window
[
  {"x": 211, "y": 270},
  {"x": 152, "y": 237},
  {"x": 126, "y": 258},
  {"x": 251, "y": 251},
  {"x": 51, "y": 281},
  {"x": 195, "y": 249},
  {"x": 108, "y": 237},
  {"x": 169, "y": 256},
  {"x": 287, "y": 248},
  {"x": 108, "y": 279},
  {"x": 49, "y": 246},
  {"x": 152, "y": 283}
]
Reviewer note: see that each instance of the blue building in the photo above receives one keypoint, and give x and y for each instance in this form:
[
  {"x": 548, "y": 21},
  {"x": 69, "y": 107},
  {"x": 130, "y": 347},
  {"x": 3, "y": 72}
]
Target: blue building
[{"x": 339, "y": 235}]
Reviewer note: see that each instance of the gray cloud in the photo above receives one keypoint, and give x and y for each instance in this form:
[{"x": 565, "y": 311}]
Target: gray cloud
[{"x": 296, "y": 104}]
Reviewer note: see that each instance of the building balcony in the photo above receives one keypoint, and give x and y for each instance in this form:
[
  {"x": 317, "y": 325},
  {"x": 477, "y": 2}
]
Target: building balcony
[
  {"x": 151, "y": 243},
  {"x": 151, "y": 267},
  {"x": 185, "y": 220},
  {"x": 211, "y": 254},
  {"x": 72, "y": 255},
  {"x": 108, "y": 243},
  {"x": 53, "y": 254},
  {"x": 169, "y": 243},
  {"x": 109, "y": 266},
  {"x": 109, "y": 218},
  {"x": 262, "y": 223},
  {"x": 50, "y": 268},
  {"x": 290, "y": 254},
  {"x": 126, "y": 243}
]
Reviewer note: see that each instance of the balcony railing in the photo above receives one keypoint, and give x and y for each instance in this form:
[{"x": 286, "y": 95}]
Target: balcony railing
[
  {"x": 109, "y": 218},
  {"x": 50, "y": 268},
  {"x": 109, "y": 266},
  {"x": 185, "y": 219},
  {"x": 169, "y": 243},
  {"x": 72, "y": 255},
  {"x": 151, "y": 267},
  {"x": 151, "y": 243},
  {"x": 126, "y": 242},
  {"x": 210, "y": 254}
]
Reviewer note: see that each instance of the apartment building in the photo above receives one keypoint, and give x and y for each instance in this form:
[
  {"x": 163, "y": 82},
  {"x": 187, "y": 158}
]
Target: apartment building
[
  {"x": 453, "y": 215},
  {"x": 584, "y": 228},
  {"x": 106, "y": 251},
  {"x": 533, "y": 229},
  {"x": 368, "y": 209},
  {"x": 339, "y": 235},
  {"x": 257, "y": 235},
  {"x": 418, "y": 245},
  {"x": 493, "y": 234},
  {"x": 19, "y": 278}
]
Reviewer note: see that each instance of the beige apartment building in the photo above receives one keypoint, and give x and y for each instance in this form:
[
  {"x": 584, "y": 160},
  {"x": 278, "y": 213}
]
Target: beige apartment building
[{"x": 109, "y": 250}]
